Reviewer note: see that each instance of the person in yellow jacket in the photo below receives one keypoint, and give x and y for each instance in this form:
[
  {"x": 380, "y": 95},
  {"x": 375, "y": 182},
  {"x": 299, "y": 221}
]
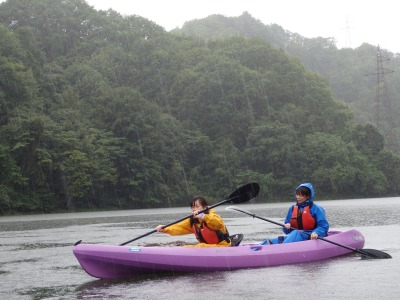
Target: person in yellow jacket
[{"x": 208, "y": 226}]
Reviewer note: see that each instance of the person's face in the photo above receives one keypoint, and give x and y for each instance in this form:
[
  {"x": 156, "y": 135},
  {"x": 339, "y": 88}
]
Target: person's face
[
  {"x": 301, "y": 198},
  {"x": 197, "y": 206}
]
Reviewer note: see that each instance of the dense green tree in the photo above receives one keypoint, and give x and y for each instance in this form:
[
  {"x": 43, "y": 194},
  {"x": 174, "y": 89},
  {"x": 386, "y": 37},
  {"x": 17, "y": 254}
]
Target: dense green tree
[
  {"x": 17, "y": 87},
  {"x": 11, "y": 181}
]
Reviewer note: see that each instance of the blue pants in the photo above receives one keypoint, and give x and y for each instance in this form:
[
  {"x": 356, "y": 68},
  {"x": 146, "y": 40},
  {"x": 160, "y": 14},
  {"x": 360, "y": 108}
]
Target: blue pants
[{"x": 294, "y": 236}]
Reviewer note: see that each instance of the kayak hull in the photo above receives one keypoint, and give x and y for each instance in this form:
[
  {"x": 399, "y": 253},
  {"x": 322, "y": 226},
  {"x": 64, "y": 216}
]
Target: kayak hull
[{"x": 109, "y": 261}]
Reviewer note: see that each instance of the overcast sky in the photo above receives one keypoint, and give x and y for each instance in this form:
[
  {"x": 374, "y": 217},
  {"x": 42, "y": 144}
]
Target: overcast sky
[{"x": 350, "y": 22}]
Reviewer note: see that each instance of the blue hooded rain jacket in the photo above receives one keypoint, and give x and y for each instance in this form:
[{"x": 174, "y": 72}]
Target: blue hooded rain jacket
[{"x": 317, "y": 212}]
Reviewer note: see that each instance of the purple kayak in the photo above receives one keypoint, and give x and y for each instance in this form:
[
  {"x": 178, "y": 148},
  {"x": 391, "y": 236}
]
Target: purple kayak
[{"x": 110, "y": 261}]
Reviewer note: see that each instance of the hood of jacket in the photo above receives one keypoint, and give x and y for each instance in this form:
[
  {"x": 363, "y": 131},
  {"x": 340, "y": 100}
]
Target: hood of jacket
[{"x": 311, "y": 188}]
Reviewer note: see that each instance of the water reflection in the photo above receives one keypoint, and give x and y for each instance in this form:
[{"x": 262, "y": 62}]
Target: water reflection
[{"x": 108, "y": 288}]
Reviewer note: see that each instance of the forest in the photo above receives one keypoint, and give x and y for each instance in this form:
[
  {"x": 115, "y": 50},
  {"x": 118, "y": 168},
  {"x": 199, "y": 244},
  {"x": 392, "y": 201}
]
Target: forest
[
  {"x": 104, "y": 111},
  {"x": 367, "y": 78}
]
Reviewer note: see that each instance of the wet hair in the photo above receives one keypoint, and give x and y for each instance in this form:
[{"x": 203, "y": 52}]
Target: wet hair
[
  {"x": 202, "y": 201},
  {"x": 304, "y": 191}
]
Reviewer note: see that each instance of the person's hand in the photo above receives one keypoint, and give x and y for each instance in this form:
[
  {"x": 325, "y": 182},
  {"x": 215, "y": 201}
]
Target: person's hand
[
  {"x": 160, "y": 228},
  {"x": 197, "y": 215},
  {"x": 287, "y": 226},
  {"x": 314, "y": 236}
]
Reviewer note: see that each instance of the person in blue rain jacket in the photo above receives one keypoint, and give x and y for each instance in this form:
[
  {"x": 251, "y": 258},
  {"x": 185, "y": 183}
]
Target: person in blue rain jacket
[{"x": 304, "y": 216}]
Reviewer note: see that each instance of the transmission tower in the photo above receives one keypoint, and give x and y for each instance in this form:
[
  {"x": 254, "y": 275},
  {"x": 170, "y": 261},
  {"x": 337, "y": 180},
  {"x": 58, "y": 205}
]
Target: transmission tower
[
  {"x": 347, "y": 39},
  {"x": 383, "y": 105}
]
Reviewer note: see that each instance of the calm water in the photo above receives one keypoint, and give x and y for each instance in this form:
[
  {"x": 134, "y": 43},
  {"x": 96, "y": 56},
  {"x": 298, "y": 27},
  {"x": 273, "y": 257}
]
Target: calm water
[{"x": 36, "y": 260}]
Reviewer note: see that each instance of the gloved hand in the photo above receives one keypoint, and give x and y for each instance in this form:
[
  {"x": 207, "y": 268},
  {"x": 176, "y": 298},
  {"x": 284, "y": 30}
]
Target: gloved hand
[
  {"x": 200, "y": 216},
  {"x": 160, "y": 228}
]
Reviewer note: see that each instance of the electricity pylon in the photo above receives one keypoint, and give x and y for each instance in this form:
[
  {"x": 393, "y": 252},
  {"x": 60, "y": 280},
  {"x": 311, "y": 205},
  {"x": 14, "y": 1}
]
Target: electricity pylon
[{"x": 383, "y": 104}]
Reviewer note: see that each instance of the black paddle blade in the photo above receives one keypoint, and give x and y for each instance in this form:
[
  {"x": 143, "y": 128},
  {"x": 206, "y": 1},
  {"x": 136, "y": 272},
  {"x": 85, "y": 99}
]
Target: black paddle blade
[
  {"x": 244, "y": 193},
  {"x": 372, "y": 253}
]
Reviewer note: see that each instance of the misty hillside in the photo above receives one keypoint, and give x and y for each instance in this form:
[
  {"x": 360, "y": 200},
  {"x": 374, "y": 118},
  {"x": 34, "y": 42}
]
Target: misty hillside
[
  {"x": 104, "y": 111},
  {"x": 352, "y": 73}
]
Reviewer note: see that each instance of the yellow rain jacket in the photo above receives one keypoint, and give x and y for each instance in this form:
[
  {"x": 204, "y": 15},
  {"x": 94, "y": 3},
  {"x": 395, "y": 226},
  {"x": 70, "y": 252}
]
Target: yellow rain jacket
[{"x": 213, "y": 221}]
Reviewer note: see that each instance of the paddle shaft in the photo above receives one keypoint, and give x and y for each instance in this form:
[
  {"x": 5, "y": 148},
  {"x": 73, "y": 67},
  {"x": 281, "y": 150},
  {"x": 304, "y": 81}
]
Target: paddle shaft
[
  {"x": 384, "y": 255},
  {"x": 180, "y": 220},
  {"x": 165, "y": 226}
]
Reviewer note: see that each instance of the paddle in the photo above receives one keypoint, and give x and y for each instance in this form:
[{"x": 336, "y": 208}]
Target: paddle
[
  {"x": 243, "y": 194},
  {"x": 366, "y": 252}
]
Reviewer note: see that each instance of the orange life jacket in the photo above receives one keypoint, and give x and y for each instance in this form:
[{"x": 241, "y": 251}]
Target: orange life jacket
[
  {"x": 302, "y": 219},
  {"x": 206, "y": 235}
]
